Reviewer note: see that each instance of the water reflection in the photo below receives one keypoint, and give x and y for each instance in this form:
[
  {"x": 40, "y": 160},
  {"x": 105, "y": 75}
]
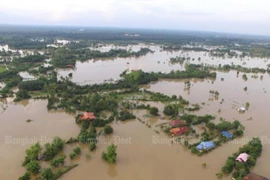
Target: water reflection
[{"x": 112, "y": 171}]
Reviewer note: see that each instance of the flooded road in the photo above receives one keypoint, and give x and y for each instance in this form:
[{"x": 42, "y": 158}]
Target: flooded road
[{"x": 142, "y": 153}]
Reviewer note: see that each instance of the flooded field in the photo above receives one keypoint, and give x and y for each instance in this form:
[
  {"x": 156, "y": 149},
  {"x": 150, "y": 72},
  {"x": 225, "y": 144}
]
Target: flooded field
[
  {"x": 17, "y": 135},
  {"x": 142, "y": 153},
  {"x": 159, "y": 61}
]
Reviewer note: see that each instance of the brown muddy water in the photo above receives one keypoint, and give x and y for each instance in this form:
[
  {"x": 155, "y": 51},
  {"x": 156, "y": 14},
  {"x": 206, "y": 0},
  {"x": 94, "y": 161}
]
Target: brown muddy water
[
  {"x": 143, "y": 154},
  {"x": 99, "y": 70}
]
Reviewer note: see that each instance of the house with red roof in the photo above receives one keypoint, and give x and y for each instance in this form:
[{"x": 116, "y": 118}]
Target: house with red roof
[{"x": 179, "y": 130}]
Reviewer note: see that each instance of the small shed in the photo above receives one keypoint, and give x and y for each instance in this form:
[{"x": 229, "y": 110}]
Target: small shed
[
  {"x": 242, "y": 157},
  {"x": 227, "y": 134}
]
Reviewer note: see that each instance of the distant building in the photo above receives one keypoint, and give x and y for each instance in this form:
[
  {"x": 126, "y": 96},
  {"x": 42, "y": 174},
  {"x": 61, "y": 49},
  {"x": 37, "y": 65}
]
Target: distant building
[{"x": 242, "y": 157}]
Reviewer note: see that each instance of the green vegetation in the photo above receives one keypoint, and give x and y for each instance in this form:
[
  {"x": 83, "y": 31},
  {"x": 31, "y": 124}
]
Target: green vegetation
[
  {"x": 26, "y": 176},
  {"x": 125, "y": 115},
  {"x": 171, "y": 110},
  {"x": 110, "y": 155},
  {"x": 153, "y": 111},
  {"x": 2, "y": 69},
  {"x": 76, "y": 151},
  {"x": 51, "y": 150},
  {"x": 47, "y": 174},
  {"x": 33, "y": 167},
  {"x": 32, "y": 154},
  {"x": 57, "y": 161}
]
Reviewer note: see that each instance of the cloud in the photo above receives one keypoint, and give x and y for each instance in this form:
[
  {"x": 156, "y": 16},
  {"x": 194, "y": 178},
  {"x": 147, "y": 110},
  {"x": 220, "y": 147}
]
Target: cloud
[{"x": 215, "y": 15}]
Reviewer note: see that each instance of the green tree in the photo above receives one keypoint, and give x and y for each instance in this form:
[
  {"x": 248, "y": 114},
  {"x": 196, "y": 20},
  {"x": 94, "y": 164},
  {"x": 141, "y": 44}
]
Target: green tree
[
  {"x": 170, "y": 110},
  {"x": 110, "y": 155},
  {"x": 154, "y": 111},
  {"x": 33, "y": 167}
]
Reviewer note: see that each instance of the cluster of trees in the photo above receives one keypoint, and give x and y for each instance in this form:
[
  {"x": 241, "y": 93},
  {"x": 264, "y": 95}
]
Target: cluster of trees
[
  {"x": 64, "y": 56},
  {"x": 125, "y": 115},
  {"x": 110, "y": 155},
  {"x": 34, "y": 85},
  {"x": 171, "y": 110},
  {"x": 22, "y": 94},
  {"x": 228, "y": 67},
  {"x": 139, "y": 77},
  {"x": 75, "y": 152},
  {"x": 178, "y": 59},
  {"x": 30, "y": 59},
  {"x": 58, "y": 161},
  {"x": 192, "y": 71},
  {"x": 87, "y": 136},
  {"x": 241, "y": 169},
  {"x": 51, "y": 150},
  {"x": 192, "y": 119},
  {"x": 93, "y": 102}
]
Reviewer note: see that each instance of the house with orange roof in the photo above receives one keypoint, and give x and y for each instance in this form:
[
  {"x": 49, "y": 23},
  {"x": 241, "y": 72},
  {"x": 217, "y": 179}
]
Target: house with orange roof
[{"x": 87, "y": 116}]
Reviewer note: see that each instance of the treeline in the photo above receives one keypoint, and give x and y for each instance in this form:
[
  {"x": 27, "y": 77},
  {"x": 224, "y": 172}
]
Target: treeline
[
  {"x": 178, "y": 48},
  {"x": 64, "y": 56},
  {"x": 34, "y": 85},
  {"x": 30, "y": 58},
  {"x": 192, "y": 71},
  {"x": 238, "y": 68}
]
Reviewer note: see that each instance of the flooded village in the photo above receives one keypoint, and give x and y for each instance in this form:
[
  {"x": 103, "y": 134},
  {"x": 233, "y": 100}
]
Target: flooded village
[{"x": 191, "y": 111}]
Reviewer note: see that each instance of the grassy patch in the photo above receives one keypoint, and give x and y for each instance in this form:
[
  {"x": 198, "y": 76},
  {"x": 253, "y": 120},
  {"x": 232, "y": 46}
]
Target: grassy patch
[
  {"x": 64, "y": 170},
  {"x": 2, "y": 69}
]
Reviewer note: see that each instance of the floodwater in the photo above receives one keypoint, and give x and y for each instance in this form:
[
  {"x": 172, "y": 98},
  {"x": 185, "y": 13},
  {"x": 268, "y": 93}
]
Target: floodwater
[
  {"x": 142, "y": 153},
  {"x": 86, "y": 72},
  {"x": 17, "y": 134}
]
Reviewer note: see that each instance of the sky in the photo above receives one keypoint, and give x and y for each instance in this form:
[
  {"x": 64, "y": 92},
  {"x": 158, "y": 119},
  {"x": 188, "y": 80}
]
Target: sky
[{"x": 233, "y": 16}]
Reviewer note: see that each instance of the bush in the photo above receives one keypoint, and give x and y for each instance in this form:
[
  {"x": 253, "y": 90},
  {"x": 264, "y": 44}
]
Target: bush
[
  {"x": 32, "y": 153},
  {"x": 60, "y": 160},
  {"x": 47, "y": 174},
  {"x": 170, "y": 110},
  {"x": 92, "y": 146},
  {"x": 108, "y": 129},
  {"x": 26, "y": 176},
  {"x": 154, "y": 111},
  {"x": 33, "y": 167},
  {"x": 76, "y": 151}
]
